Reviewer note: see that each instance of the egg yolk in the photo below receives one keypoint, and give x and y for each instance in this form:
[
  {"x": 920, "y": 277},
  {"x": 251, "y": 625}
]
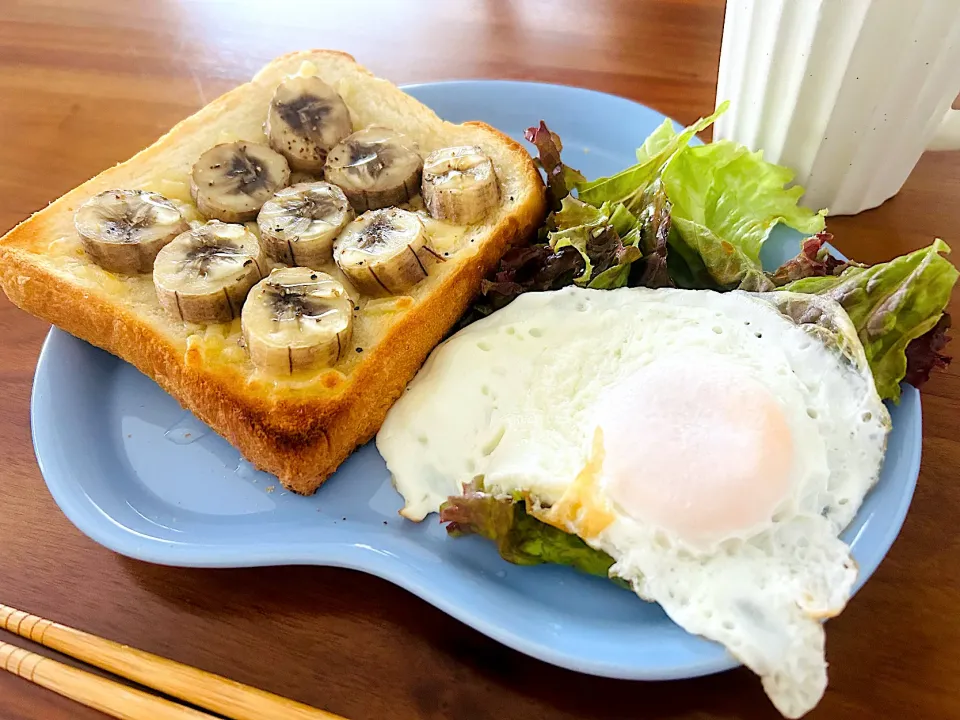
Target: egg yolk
[{"x": 696, "y": 446}]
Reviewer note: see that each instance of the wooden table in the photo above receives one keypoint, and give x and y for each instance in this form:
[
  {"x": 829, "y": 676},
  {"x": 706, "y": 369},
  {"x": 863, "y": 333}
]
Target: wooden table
[{"x": 86, "y": 84}]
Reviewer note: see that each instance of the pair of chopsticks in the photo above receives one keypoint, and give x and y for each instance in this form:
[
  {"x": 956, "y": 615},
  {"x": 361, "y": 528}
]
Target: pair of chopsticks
[{"x": 202, "y": 689}]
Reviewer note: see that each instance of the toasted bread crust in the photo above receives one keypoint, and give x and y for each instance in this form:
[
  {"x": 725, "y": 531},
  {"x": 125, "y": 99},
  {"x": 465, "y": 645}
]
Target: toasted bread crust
[{"x": 300, "y": 437}]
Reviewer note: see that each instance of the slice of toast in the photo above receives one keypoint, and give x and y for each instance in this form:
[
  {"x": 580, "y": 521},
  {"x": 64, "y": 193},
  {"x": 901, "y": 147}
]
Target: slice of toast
[{"x": 303, "y": 426}]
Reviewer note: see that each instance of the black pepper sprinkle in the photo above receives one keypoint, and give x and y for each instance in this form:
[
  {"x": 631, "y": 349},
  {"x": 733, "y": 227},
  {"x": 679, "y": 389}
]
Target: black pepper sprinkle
[
  {"x": 356, "y": 307},
  {"x": 313, "y": 276},
  {"x": 511, "y": 198},
  {"x": 359, "y": 349},
  {"x": 344, "y": 518},
  {"x": 384, "y": 522}
]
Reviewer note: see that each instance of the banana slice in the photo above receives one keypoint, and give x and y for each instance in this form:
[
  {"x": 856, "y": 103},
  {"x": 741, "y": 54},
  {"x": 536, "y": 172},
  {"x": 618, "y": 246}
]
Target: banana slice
[
  {"x": 204, "y": 274},
  {"x": 299, "y": 224},
  {"x": 306, "y": 118},
  {"x": 123, "y": 230},
  {"x": 297, "y": 177},
  {"x": 384, "y": 252},
  {"x": 376, "y": 167},
  {"x": 232, "y": 181},
  {"x": 296, "y": 319},
  {"x": 460, "y": 184}
]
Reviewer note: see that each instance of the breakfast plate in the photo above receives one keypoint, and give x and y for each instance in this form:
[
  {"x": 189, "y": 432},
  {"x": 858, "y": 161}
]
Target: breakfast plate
[{"x": 142, "y": 477}]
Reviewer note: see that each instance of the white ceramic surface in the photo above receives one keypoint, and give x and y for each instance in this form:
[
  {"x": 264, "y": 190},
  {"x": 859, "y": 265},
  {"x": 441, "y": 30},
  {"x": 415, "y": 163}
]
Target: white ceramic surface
[{"x": 848, "y": 93}]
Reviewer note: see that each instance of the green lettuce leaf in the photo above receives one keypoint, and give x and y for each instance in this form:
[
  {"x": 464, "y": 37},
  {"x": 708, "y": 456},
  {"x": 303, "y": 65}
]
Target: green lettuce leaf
[
  {"x": 602, "y": 250},
  {"x": 689, "y": 176},
  {"x": 726, "y": 200},
  {"x": 520, "y": 537},
  {"x": 656, "y": 142},
  {"x": 628, "y": 186},
  {"x": 727, "y": 265},
  {"x": 685, "y": 268},
  {"x": 596, "y": 234},
  {"x": 890, "y": 304},
  {"x": 573, "y": 213},
  {"x": 612, "y": 278},
  {"x": 618, "y": 275},
  {"x": 655, "y": 225},
  {"x": 623, "y": 220}
]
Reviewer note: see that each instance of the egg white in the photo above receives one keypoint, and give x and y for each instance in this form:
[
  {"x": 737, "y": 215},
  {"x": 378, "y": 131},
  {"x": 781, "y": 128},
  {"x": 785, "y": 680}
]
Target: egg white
[{"x": 517, "y": 399}]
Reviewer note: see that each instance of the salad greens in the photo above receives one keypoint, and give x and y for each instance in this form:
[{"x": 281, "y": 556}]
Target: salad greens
[
  {"x": 627, "y": 186},
  {"x": 813, "y": 260},
  {"x": 606, "y": 238},
  {"x": 711, "y": 205},
  {"x": 890, "y": 304},
  {"x": 520, "y": 537},
  {"x": 561, "y": 179},
  {"x": 923, "y": 354},
  {"x": 726, "y": 200},
  {"x": 697, "y": 217}
]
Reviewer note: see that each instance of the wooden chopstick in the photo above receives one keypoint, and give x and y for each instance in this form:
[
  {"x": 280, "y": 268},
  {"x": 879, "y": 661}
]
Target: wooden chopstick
[
  {"x": 197, "y": 687},
  {"x": 105, "y": 695}
]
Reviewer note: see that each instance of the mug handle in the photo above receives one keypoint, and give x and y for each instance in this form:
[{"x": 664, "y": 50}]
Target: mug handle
[{"x": 947, "y": 136}]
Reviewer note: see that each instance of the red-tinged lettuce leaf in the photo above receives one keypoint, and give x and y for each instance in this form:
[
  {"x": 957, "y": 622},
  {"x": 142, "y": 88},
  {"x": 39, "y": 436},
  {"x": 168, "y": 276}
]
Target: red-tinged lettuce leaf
[
  {"x": 606, "y": 258},
  {"x": 529, "y": 268},
  {"x": 561, "y": 179},
  {"x": 617, "y": 273},
  {"x": 590, "y": 246},
  {"x": 535, "y": 268},
  {"x": 478, "y": 513},
  {"x": 655, "y": 226},
  {"x": 520, "y": 537},
  {"x": 606, "y": 237},
  {"x": 891, "y": 305},
  {"x": 923, "y": 353},
  {"x": 605, "y": 250},
  {"x": 813, "y": 260}
]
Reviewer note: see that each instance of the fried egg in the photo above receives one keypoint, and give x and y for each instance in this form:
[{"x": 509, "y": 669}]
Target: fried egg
[{"x": 715, "y": 445}]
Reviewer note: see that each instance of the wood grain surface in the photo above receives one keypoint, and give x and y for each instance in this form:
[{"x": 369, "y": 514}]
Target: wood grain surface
[{"x": 85, "y": 84}]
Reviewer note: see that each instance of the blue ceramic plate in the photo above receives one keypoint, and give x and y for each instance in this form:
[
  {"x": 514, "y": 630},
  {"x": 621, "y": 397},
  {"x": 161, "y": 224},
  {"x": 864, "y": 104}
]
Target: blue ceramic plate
[{"x": 139, "y": 475}]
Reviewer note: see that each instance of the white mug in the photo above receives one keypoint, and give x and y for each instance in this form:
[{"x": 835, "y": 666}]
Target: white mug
[{"x": 847, "y": 93}]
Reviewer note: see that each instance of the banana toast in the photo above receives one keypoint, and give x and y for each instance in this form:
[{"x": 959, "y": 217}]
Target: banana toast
[{"x": 391, "y": 267}]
